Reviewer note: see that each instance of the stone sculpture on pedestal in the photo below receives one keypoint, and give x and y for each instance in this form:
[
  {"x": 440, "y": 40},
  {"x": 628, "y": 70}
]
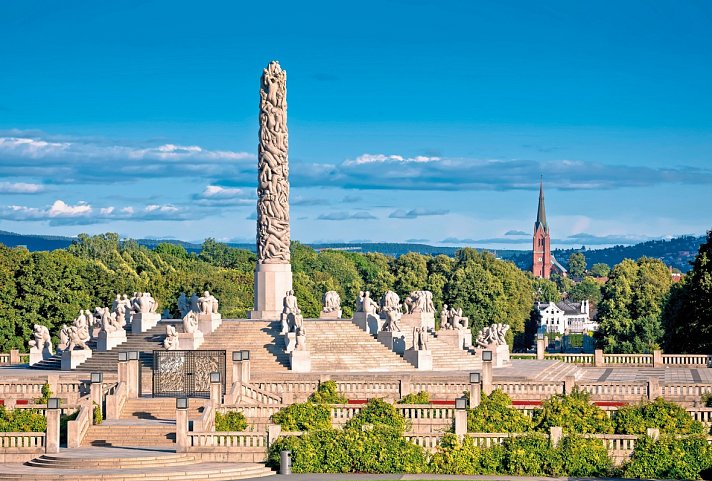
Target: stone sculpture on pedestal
[
  {"x": 419, "y": 310},
  {"x": 145, "y": 315},
  {"x": 273, "y": 273},
  {"x": 453, "y": 328},
  {"x": 418, "y": 354},
  {"x": 40, "y": 344},
  {"x": 332, "y": 306},
  {"x": 492, "y": 338},
  {"x": 72, "y": 357},
  {"x": 171, "y": 341},
  {"x": 208, "y": 304},
  {"x": 191, "y": 338},
  {"x": 111, "y": 331},
  {"x": 366, "y": 315}
]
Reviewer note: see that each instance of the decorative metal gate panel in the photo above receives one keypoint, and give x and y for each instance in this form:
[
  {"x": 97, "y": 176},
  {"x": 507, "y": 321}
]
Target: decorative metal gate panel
[{"x": 186, "y": 373}]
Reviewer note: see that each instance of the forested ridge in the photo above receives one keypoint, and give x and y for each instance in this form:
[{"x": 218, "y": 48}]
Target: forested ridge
[{"x": 636, "y": 305}]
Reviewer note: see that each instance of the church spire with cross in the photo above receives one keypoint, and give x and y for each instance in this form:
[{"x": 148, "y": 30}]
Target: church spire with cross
[{"x": 541, "y": 244}]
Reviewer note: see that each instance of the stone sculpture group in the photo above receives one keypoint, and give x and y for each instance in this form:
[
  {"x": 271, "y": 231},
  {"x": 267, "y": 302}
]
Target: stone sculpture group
[
  {"x": 206, "y": 304},
  {"x": 332, "y": 302},
  {"x": 493, "y": 335},
  {"x": 419, "y": 301},
  {"x": 452, "y": 318}
]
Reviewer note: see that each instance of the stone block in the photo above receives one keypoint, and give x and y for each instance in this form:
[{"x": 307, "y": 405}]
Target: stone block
[
  {"x": 208, "y": 323},
  {"x": 421, "y": 360},
  {"x": 109, "y": 340},
  {"x": 300, "y": 361},
  {"x": 272, "y": 281},
  {"x": 419, "y": 319},
  {"x": 395, "y": 341},
  {"x": 370, "y": 323},
  {"x": 190, "y": 341},
  {"x": 330, "y": 315},
  {"x": 457, "y": 338},
  {"x": 37, "y": 355},
  {"x": 72, "y": 359},
  {"x": 143, "y": 321},
  {"x": 500, "y": 355},
  {"x": 290, "y": 341}
]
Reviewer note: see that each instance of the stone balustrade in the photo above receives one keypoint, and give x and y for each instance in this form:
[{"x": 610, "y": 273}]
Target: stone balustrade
[
  {"x": 21, "y": 447},
  {"x": 534, "y": 390}
]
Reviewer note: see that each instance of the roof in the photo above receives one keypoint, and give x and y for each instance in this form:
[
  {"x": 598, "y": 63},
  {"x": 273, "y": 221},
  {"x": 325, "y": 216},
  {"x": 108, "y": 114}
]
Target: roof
[{"x": 541, "y": 211}]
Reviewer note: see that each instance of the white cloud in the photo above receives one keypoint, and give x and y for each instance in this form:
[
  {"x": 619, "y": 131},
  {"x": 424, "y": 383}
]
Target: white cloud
[
  {"x": 415, "y": 213},
  {"x": 61, "y": 209},
  {"x": 218, "y": 192},
  {"x": 20, "y": 188},
  {"x": 382, "y": 158},
  {"x": 160, "y": 208}
]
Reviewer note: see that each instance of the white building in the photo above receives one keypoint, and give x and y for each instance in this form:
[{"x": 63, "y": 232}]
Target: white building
[{"x": 566, "y": 317}]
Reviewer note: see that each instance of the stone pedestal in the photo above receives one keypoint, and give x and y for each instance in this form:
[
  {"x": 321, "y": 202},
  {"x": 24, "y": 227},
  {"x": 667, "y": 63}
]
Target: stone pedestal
[
  {"x": 290, "y": 341},
  {"x": 37, "y": 355},
  {"x": 395, "y": 341},
  {"x": 422, "y": 360},
  {"x": 300, "y": 361},
  {"x": 207, "y": 323},
  {"x": 109, "y": 340},
  {"x": 458, "y": 338},
  {"x": 370, "y": 323},
  {"x": 190, "y": 341},
  {"x": 419, "y": 319},
  {"x": 72, "y": 359},
  {"x": 272, "y": 281},
  {"x": 143, "y": 321},
  {"x": 500, "y": 354},
  {"x": 330, "y": 315},
  {"x": 52, "y": 434}
]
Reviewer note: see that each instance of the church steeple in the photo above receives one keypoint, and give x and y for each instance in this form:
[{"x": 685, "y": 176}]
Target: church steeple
[{"x": 541, "y": 212}]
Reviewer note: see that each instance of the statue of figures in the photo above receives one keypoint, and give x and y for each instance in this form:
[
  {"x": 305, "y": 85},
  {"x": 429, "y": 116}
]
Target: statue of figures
[
  {"x": 109, "y": 321},
  {"x": 359, "y": 302},
  {"x": 75, "y": 340},
  {"x": 116, "y": 303},
  {"x": 190, "y": 322},
  {"x": 444, "y": 318},
  {"x": 332, "y": 302},
  {"x": 420, "y": 339},
  {"x": 183, "y": 305},
  {"x": 392, "y": 318},
  {"x": 208, "y": 304},
  {"x": 290, "y": 303},
  {"x": 419, "y": 301},
  {"x": 41, "y": 339},
  {"x": 82, "y": 324},
  {"x": 301, "y": 340},
  {"x": 194, "y": 300},
  {"x": 452, "y": 318},
  {"x": 390, "y": 302},
  {"x": 369, "y": 306},
  {"x": 171, "y": 340},
  {"x": 492, "y": 335},
  {"x": 144, "y": 303},
  {"x": 273, "y": 171},
  {"x": 63, "y": 338}
]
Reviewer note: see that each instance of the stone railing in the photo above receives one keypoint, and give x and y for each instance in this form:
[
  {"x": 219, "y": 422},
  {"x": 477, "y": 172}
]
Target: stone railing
[
  {"x": 14, "y": 357},
  {"x": 580, "y": 359},
  {"x": 258, "y": 395},
  {"x": 21, "y": 447},
  {"x": 684, "y": 392},
  {"x": 628, "y": 359},
  {"x": 529, "y": 390},
  {"x": 688, "y": 360},
  {"x": 206, "y": 422},
  {"x": 77, "y": 429},
  {"x": 236, "y": 447},
  {"x": 115, "y": 400},
  {"x": 66, "y": 409},
  {"x": 618, "y": 391}
]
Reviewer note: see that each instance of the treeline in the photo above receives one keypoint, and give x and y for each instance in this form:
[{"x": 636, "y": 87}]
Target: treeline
[{"x": 638, "y": 311}]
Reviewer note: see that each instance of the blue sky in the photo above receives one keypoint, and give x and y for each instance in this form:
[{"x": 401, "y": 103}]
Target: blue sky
[{"x": 418, "y": 120}]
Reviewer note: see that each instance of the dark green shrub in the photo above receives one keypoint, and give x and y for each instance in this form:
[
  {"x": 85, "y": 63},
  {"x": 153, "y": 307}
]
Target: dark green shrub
[
  {"x": 327, "y": 393},
  {"x": 466, "y": 458},
  {"x": 574, "y": 413},
  {"x": 98, "y": 416},
  {"x": 22, "y": 421},
  {"x": 46, "y": 394},
  {"x": 531, "y": 455},
  {"x": 230, "y": 421},
  {"x": 378, "y": 412},
  {"x": 63, "y": 420},
  {"x": 584, "y": 457},
  {"x": 707, "y": 399},
  {"x": 669, "y": 458},
  {"x": 423, "y": 397},
  {"x": 495, "y": 414},
  {"x": 303, "y": 417},
  {"x": 667, "y": 416}
]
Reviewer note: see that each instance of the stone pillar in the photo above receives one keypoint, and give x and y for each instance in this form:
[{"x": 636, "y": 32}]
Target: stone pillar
[
  {"x": 245, "y": 370},
  {"x": 540, "y": 349},
  {"x": 181, "y": 430},
  {"x": 598, "y": 358},
  {"x": 96, "y": 394},
  {"x": 133, "y": 373},
  {"x": 487, "y": 377},
  {"x": 653, "y": 433},
  {"x": 555, "y": 435},
  {"x": 14, "y": 356},
  {"x": 52, "y": 434},
  {"x": 460, "y": 422},
  {"x": 405, "y": 386},
  {"x": 273, "y": 432},
  {"x": 569, "y": 384},
  {"x": 475, "y": 394},
  {"x": 123, "y": 371},
  {"x": 273, "y": 273},
  {"x": 216, "y": 395},
  {"x": 657, "y": 358},
  {"x": 654, "y": 390}
]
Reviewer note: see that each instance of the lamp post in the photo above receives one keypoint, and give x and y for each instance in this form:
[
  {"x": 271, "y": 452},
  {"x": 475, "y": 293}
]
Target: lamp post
[
  {"x": 53, "y": 414},
  {"x": 475, "y": 389}
]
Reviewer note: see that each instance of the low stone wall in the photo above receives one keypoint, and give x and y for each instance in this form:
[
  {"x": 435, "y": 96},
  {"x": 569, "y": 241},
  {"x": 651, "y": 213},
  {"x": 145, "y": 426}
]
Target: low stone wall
[{"x": 21, "y": 447}]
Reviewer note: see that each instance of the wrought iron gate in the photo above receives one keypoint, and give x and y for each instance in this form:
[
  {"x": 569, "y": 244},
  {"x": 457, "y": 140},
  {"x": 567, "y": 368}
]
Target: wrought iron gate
[{"x": 186, "y": 373}]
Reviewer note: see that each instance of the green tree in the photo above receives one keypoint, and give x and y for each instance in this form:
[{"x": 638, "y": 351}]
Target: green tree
[
  {"x": 545, "y": 290},
  {"x": 577, "y": 265},
  {"x": 630, "y": 310},
  {"x": 587, "y": 289},
  {"x": 411, "y": 273},
  {"x": 599, "y": 270},
  {"x": 574, "y": 412},
  {"x": 689, "y": 310}
]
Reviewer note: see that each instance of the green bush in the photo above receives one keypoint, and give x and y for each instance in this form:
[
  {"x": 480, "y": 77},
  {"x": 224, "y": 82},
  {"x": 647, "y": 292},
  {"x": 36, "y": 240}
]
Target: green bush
[
  {"x": 667, "y": 416},
  {"x": 423, "y": 397},
  {"x": 230, "y": 421},
  {"x": 46, "y": 394},
  {"x": 495, "y": 414},
  {"x": 378, "y": 412},
  {"x": 98, "y": 417},
  {"x": 707, "y": 399},
  {"x": 377, "y": 450},
  {"x": 327, "y": 393},
  {"x": 22, "y": 421},
  {"x": 303, "y": 417},
  {"x": 669, "y": 458},
  {"x": 574, "y": 413},
  {"x": 584, "y": 457},
  {"x": 531, "y": 455}
]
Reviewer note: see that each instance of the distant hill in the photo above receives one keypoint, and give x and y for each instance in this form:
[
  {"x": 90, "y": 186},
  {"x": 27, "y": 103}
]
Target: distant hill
[{"x": 677, "y": 252}]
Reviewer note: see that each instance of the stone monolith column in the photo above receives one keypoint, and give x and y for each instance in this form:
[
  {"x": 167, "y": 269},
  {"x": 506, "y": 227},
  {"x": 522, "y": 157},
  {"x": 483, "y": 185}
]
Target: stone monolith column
[{"x": 273, "y": 273}]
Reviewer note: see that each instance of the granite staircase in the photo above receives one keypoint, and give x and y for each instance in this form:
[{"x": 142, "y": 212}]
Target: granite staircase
[{"x": 447, "y": 357}]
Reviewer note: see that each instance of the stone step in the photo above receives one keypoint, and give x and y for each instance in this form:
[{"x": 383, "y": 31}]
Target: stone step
[{"x": 71, "y": 462}]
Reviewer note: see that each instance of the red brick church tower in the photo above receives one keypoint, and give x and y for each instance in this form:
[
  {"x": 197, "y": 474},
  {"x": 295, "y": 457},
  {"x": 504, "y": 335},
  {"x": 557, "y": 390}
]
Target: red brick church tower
[{"x": 541, "y": 265}]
